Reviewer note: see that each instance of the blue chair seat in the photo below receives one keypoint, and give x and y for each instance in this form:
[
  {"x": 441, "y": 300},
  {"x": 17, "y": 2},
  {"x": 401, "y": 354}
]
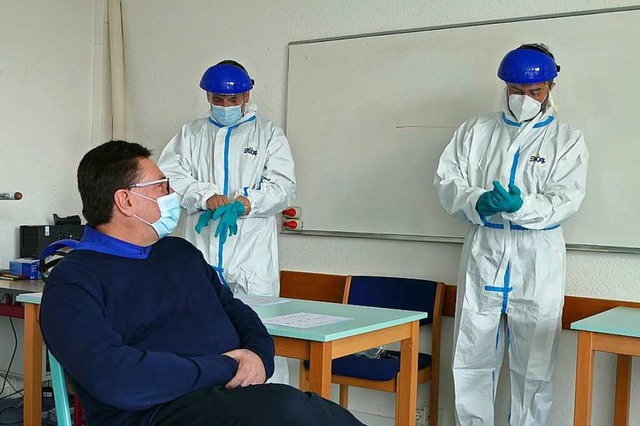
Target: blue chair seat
[{"x": 361, "y": 367}]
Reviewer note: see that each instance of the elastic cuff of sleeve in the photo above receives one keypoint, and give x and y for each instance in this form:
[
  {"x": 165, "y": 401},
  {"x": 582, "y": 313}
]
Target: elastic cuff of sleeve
[{"x": 475, "y": 218}]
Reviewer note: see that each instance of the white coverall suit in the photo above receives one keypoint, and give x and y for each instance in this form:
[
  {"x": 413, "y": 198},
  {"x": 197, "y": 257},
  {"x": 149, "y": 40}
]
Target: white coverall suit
[
  {"x": 512, "y": 272},
  {"x": 250, "y": 158}
]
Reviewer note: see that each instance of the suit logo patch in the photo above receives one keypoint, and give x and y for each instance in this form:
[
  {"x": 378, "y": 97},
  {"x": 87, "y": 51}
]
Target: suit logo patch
[
  {"x": 537, "y": 159},
  {"x": 250, "y": 150}
]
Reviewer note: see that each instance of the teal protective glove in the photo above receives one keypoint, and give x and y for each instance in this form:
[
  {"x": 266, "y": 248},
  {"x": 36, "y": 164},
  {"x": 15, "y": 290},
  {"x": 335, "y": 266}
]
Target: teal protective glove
[
  {"x": 509, "y": 202},
  {"x": 220, "y": 211},
  {"x": 224, "y": 220},
  {"x": 239, "y": 208},
  {"x": 203, "y": 220},
  {"x": 228, "y": 217},
  {"x": 485, "y": 205}
]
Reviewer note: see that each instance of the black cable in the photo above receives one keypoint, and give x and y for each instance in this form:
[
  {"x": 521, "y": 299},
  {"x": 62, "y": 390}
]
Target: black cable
[
  {"x": 15, "y": 347},
  {"x": 50, "y": 414},
  {"x": 6, "y": 376},
  {"x": 51, "y": 420},
  {"x": 48, "y": 407},
  {"x": 19, "y": 392},
  {"x": 13, "y": 355}
]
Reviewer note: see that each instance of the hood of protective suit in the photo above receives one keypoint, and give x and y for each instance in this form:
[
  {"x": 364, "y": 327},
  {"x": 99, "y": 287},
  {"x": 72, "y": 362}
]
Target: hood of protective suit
[{"x": 250, "y": 110}]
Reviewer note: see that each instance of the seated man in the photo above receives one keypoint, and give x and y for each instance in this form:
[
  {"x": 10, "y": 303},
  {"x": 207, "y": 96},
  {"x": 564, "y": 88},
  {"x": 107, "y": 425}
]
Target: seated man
[{"x": 142, "y": 323}]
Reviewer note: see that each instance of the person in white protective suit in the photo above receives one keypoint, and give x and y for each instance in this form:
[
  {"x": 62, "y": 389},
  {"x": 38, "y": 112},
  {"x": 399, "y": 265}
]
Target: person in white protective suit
[
  {"x": 515, "y": 176},
  {"x": 234, "y": 158}
]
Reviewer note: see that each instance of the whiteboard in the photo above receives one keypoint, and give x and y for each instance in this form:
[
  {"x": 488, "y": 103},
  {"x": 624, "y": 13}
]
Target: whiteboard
[{"x": 368, "y": 117}]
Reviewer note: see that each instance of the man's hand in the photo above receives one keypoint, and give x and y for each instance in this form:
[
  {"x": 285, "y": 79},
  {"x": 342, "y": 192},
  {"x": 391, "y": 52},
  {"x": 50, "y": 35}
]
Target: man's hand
[
  {"x": 216, "y": 201},
  {"x": 245, "y": 202},
  {"x": 250, "y": 371}
]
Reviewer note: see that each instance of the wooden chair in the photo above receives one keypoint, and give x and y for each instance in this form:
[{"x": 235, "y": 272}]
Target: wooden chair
[
  {"x": 382, "y": 374},
  {"x": 312, "y": 286}
]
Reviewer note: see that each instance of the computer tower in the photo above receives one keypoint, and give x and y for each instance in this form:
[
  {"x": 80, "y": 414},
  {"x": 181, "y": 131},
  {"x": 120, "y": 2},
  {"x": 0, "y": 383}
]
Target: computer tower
[{"x": 33, "y": 239}]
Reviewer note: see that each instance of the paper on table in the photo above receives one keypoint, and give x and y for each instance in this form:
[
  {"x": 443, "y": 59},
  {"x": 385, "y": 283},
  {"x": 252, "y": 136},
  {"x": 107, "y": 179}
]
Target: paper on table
[
  {"x": 257, "y": 301},
  {"x": 304, "y": 320}
]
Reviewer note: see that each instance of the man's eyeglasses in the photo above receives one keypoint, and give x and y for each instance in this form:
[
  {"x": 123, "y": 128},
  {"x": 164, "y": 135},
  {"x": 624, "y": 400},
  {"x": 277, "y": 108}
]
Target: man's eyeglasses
[{"x": 164, "y": 181}]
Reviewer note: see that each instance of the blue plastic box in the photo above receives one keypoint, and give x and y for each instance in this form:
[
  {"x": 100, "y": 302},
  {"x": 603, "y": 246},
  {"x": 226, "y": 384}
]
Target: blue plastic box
[{"x": 26, "y": 268}]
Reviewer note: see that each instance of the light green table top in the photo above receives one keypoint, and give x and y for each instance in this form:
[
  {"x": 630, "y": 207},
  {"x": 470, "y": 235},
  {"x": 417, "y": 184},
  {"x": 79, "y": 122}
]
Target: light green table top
[
  {"x": 362, "y": 319},
  {"x": 29, "y": 298},
  {"x": 620, "y": 321}
]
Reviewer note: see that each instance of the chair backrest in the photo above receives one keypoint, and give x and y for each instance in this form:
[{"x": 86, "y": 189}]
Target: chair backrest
[
  {"x": 312, "y": 286},
  {"x": 397, "y": 293},
  {"x": 63, "y": 413}
]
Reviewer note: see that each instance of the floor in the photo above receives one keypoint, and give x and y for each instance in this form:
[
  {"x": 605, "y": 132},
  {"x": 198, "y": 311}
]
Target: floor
[
  {"x": 11, "y": 411},
  {"x": 371, "y": 420}
]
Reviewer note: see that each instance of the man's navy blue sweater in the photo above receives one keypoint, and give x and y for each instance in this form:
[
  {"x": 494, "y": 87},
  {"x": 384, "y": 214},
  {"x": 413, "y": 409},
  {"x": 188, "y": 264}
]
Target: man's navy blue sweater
[{"x": 137, "y": 327}]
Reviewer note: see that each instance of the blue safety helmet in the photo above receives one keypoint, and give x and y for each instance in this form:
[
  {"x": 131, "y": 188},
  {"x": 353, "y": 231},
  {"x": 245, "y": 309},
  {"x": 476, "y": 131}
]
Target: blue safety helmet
[
  {"x": 226, "y": 79},
  {"x": 526, "y": 65},
  {"x": 54, "y": 253}
]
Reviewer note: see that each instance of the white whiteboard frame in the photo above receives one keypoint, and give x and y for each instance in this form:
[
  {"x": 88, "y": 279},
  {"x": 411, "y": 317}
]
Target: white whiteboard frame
[
  {"x": 445, "y": 239},
  {"x": 471, "y": 24}
]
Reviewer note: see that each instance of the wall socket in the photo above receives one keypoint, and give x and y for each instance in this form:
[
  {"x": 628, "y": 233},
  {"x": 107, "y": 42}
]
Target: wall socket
[{"x": 422, "y": 416}]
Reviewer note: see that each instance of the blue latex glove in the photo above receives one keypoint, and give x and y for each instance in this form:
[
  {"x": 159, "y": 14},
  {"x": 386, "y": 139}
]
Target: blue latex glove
[
  {"x": 228, "y": 217},
  {"x": 203, "y": 220},
  {"x": 506, "y": 201},
  {"x": 485, "y": 205}
]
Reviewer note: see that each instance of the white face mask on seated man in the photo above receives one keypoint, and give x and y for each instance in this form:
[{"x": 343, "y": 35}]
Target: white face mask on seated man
[{"x": 170, "y": 210}]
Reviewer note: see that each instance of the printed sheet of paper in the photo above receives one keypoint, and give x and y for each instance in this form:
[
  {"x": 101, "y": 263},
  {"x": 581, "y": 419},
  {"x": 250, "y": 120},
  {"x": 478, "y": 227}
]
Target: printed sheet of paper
[
  {"x": 304, "y": 320},
  {"x": 257, "y": 301}
]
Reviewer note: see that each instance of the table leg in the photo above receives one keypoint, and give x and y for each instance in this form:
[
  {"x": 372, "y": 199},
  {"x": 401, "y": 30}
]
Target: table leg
[
  {"x": 584, "y": 380},
  {"x": 408, "y": 379},
  {"x": 320, "y": 369},
  {"x": 623, "y": 390},
  {"x": 32, "y": 367}
]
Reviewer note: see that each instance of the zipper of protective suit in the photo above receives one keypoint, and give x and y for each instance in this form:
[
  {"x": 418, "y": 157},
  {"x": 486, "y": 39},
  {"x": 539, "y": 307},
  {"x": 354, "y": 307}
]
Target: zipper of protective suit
[
  {"x": 227, "y": 140},
  {"x": 504, "y": 270}
]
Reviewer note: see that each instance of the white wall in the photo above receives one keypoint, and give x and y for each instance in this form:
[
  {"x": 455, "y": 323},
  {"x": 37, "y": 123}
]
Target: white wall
[
  {"x": 46, "y": 80},
  {"x": 163, "y": 43},
  {"x": 46, "y": 102}
]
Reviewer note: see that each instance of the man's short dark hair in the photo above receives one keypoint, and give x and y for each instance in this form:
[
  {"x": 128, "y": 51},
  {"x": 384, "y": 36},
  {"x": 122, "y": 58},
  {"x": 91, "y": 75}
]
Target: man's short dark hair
[
  {"x": 538, "y": 47},
  {"x": 232, "y": 62},
  {"x": 102, "y": 171}
]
